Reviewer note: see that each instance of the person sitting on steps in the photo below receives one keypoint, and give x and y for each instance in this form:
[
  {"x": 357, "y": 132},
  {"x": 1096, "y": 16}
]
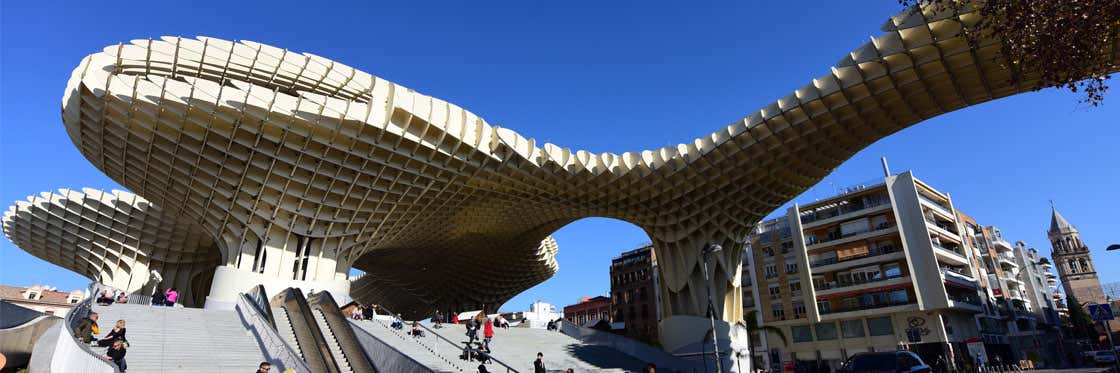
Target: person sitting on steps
[
  {"x": 116, "y": 355},
  {"x": 87, "y": 327},
  {"x": 397, "y": 323},
  {"x": 416, "y": 331},
  {"x": 117, "y": 334}
]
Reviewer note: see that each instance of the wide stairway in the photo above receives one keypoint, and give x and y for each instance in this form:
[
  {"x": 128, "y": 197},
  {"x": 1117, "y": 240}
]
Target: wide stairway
[
  {"x": 518, "y": 347},
  {"x": 166, "y": 339},
  {"x": 437, "y": 355}
]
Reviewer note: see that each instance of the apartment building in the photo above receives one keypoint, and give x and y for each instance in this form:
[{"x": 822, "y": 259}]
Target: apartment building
[
  {"x": 634, "y": 296},
  {"x": 876, "y": 268}
]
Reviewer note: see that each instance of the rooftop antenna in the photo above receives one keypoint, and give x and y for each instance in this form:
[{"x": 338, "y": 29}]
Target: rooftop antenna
[{"x": 886, "y": 168}]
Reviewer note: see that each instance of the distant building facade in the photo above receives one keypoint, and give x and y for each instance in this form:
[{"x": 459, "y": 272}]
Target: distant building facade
[
  {"x": 589, "y": 311},
  {"x": 1075, "y": 265},
  {"x": 634, "y": 293},
  {"x": 41, "y": 298},
  {"x": 894, "y": 265}
]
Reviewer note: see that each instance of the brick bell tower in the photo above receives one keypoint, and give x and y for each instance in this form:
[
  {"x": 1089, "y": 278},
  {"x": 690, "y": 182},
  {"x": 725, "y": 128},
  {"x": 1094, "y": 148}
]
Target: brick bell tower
[{"x": 1071, "y": 256}]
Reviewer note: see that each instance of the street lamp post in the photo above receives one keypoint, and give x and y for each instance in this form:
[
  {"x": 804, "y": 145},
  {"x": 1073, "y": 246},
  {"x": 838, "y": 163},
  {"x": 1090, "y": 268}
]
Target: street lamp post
[{"x": 708, "y": 249}]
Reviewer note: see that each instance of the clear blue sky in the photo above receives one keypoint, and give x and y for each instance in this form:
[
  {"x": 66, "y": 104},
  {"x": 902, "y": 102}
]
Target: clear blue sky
[{"x": 601, "y": 76}]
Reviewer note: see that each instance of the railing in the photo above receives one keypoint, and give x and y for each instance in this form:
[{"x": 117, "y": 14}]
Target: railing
[
  {"x": 842, "y": 210},
  {"x": 890, "y": 249},
  {"x": 840, "y": 309},
  {"x": 262, "y": 324},
  {"x": 842, "y": 284},
  {"x": 936, "y": 205},
  {"x": 836, "y": 235},
  {"x": 69, "y": 355},
  {"x": 388, "y": 358},
  {"x": 429, "y": 331},
  {"x": 342, "y": 331}
]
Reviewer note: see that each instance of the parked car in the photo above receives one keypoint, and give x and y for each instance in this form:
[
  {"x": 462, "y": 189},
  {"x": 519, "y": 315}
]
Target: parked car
[
  {"x": 885, "y": 362},
  {"x": 1104, "y": 357}
]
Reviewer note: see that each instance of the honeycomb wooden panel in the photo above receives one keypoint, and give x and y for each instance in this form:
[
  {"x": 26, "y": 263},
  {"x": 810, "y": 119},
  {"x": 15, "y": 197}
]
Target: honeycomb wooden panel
[{"x": 115, "y": 238}]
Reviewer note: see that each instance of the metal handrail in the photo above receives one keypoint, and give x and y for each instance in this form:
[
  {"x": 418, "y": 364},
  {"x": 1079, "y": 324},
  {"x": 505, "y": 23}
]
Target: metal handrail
[
  {"x": 432, "y": 332},
  {"x": 259, "y": 298},
  {"x": 71, "y": 321}
]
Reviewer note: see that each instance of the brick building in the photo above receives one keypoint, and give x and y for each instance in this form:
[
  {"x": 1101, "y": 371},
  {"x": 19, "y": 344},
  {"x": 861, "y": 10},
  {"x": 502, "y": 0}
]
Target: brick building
[{"x": 634, "y": 296}]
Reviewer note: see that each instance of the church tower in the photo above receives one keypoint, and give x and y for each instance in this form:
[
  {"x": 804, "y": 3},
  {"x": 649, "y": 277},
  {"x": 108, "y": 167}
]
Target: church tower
[{"x": 1071, "y": 256}]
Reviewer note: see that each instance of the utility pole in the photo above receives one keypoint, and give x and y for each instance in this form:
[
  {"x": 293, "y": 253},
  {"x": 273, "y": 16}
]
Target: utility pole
[{"x": 708, "y": 249}]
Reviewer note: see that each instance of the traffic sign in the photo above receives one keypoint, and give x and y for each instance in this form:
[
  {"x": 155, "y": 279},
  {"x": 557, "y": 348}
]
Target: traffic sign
[{"x": 1101, "y": 312}]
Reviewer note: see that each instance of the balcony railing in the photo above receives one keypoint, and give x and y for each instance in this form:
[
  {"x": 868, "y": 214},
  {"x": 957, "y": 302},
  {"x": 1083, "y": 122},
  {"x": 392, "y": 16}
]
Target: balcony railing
[
  {"x": 861, "y": 307},
  {"x": 846, "y": 283},
  {"x": 936, "y": 205},
  {"x": 883, "y": 250},
  {"x": 843, "y": 209},
  {"x": 836, "y": 235}
]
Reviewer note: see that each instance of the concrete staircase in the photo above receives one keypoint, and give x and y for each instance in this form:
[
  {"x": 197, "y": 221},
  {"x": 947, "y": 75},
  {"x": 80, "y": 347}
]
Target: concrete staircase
[
  {"x": 436, "y": 355},
  {"x": 332, "y": 342},
  {"x": 284, "y": 328},
  {"x": 518, "y": 347},
  {"x": 166, "y": 339}
]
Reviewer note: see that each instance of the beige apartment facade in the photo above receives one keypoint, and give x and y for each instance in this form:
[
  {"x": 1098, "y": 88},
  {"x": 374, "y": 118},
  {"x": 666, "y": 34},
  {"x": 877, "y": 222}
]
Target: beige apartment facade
[{"x": 876, "y": 268}]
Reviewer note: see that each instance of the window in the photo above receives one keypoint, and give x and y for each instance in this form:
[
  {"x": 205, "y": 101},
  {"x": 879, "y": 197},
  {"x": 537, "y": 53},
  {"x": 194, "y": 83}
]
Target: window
[
  {"x": 768, "y": 251},
  {"x": 791, "y": 267},
  {"x": 795, "y": 288},
  {"x": 824, "y": 306},
  {"x": 798, "y": 309},
  {"x": 892, "y": 270},
  {"x": 826, "y": 331},
  {"x": 786, "y": 247},
  {"x": 771, "y": 271},
  {"x": 775, "y": 292},
  {"x": 778, "y": 311},
  {"x": 880, "y": 326},
  {"x": 852, "y": 328},
  {"x": 899, "y": 297},
  {"x": 802, "y": 333}
]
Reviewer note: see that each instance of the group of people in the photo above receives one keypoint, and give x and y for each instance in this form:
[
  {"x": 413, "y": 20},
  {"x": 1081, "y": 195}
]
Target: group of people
[
  {"x": 360, "y": 312},
  {"x": 165, "y": 297},
  {"x": 107, "y": 298},
  {"x": 115, "y": 341}
]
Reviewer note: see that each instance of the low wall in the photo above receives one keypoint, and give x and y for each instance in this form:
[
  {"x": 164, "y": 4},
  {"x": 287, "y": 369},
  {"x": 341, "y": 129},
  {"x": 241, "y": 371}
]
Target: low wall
[
  {"x": 279, "y": 352},
  {"x": 638, "y": 350},
  {"x": 58, "y": 351},
  {"x": 17, "y": 343}
]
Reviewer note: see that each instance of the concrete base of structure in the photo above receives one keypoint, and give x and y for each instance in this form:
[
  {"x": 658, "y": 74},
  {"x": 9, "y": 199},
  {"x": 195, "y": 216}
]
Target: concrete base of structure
[
  {"x": 689, "y": 336},
  {"x": 229, "y": 282}
]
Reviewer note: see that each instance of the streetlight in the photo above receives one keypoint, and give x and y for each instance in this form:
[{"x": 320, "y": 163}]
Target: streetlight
[{"x": 708, "y": 249}]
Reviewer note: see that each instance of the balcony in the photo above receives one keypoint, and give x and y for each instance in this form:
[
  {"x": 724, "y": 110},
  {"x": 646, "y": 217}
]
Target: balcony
[
  {"x": 839, "y": 312},
  {"x": 843, "y": 212},
  {"x": 851, "y": 260},
  {"x": 1007, "y": 258},
  {"x": 836, "y": 287},
  {"x": 935, "y": 206},
  {"x": 835, "y": 238},
  {"x": 950, "y": 256},
  {"x": 943, "y": 229},
  {"x": 959, "y": 277},
  {"x": 964, "y": 302},
  {"x": 1001, "y": 246}
]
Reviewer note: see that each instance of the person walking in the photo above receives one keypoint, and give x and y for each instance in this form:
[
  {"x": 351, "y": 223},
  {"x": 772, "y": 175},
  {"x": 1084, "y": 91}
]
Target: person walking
[
  {"x": 117, "y": 334},
  {"x": 472, "y": 330},
  {"x": 538, "y": 365},
  {"x": 455, "y": 318},
  {"x": 487, "y": 333},
  {"x": 437, "y": 320},
  {"x": 116, "y": 355},
  {"x": 87, "y": 327}
]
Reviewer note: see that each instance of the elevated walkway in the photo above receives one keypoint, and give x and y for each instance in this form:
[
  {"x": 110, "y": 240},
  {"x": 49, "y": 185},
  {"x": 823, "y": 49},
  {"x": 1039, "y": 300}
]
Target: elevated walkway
[{"x": 166, "y": 339}]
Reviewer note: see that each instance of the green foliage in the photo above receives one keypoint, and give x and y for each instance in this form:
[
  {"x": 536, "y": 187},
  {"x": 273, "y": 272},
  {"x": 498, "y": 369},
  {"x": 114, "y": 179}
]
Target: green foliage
[{"x": 1080, "y": 326}]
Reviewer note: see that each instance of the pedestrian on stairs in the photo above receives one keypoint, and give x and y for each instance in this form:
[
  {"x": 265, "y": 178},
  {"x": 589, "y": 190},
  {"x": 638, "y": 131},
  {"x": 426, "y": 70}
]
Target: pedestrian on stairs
[
  {"x": 487, "y": 334},
  {"x": 264, "y": 367},
  {"x": 538, "y": 365},
  {"x": 397, "y": 322},
  {"x": 437, "y": 320},
  {"x": 172, "y": 296},
  {"x": 117, "y": 334},
  {"x": 116, "y": 355},
  {"x": 87, "y": 327},
  {"x": 472, "y": 330},
  {"x": 159, "y": 298}
]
